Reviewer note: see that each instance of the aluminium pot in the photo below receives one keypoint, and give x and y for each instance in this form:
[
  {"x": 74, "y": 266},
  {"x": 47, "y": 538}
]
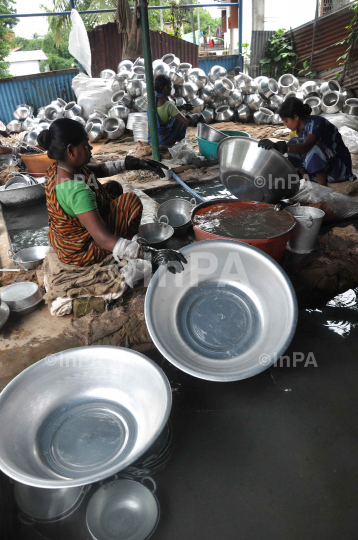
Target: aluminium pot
[
  {"x": 272, "y": 245},
  {"x": 48, "y": 505},
  {"x": 157, "y": 234}
]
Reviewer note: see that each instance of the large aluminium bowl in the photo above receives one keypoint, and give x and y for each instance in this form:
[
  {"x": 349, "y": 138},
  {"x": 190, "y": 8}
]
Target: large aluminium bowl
[
  {"x": 25, "y": 196},
  {"x": 252, "y": 173},
  {"x": 228, "y": 316},
  {"x": 90, "y": 412}
]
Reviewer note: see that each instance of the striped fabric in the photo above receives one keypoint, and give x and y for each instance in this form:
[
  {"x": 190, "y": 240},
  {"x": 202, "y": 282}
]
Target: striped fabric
[{"x": 71, "y": 241}]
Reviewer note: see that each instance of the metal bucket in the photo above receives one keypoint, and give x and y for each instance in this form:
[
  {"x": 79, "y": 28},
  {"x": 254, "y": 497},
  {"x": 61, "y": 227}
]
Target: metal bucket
[{"x": 304, "y": 235}]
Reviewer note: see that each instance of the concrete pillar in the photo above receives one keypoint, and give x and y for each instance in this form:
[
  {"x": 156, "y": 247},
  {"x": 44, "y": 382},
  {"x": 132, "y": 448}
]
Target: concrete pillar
[{"x": 258, "y": 14}]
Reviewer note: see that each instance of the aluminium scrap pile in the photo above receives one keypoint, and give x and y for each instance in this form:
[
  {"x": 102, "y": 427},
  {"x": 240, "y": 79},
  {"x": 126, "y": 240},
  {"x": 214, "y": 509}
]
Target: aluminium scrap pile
[{"x": 107, "y": 105}]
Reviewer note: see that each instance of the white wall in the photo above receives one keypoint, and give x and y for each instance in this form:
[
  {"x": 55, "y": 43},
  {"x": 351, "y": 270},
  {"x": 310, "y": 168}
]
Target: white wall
[
  {"x": 246, "y": 26},
  {"x": 288, "y": 14},
  {"x": 24, "y": 68}
]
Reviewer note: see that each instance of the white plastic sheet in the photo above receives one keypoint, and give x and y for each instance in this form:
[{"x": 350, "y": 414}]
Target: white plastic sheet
[
  {"x": 350, "y": 138},
  {"x": 340, "y": 119},
  {"x": 78, "y": 43},
  {"x": 338, "y": 206}
]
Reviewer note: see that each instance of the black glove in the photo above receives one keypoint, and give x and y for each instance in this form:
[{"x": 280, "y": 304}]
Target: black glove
[
  {"x": 188, "y": 107},
  {"x": 133, "y": 163},
  {"x": 24, "y": 148},
  {"x": 267, "y": 144},
  {"x": 170, "y": 258},
  {"x": 201, "y": 119}
]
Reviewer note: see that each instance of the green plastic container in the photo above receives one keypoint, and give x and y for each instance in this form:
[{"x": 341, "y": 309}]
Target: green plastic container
[{"x": 208, "y": 149}]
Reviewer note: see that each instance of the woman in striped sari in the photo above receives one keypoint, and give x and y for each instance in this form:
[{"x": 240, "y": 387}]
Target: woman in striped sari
[{"x": 88, "y": 220}]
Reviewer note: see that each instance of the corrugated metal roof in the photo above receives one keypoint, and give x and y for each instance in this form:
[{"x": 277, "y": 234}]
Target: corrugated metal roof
[
  {"x": 259, "y": 40},
  {"x": 25, "y": 56},
  {"x": 37, "y": 90},
  {"x": 107, "y": 44},
  {"x": 330, "y": 29},
  {"x": 229, "y": 62}
]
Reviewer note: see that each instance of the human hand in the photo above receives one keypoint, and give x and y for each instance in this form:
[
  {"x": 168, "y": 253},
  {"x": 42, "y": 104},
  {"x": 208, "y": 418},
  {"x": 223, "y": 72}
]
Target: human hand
[
  {"x": 187, "y": 107},
  {"x": 170, "y": 258},
  {"x": 133, "y": 163},
  {"x": 267, "y": 144},
  {"x": 126, "y": 250}
]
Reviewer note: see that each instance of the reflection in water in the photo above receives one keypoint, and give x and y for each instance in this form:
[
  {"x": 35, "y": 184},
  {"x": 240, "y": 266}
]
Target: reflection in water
[
  {"x": 342, "y": 328},
  {"x": 344, "y": 306},
  {"x": 347, "y": 299},
  {"x": 210, "y": 190}
]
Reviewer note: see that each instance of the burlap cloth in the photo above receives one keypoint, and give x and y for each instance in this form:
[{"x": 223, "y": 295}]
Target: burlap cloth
[
  {"x": 71, "y": 281},
  {"x": 124, "y": 326}
]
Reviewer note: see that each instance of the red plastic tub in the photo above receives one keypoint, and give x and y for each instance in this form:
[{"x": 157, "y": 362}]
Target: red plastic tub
[{"x": 272, "y": 245}]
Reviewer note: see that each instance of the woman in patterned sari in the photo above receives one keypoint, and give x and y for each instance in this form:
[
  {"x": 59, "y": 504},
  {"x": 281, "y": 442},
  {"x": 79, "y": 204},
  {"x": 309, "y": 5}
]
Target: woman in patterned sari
[
  {"x": 88, "y": 220},
  {"x": 316, "y": 147}
]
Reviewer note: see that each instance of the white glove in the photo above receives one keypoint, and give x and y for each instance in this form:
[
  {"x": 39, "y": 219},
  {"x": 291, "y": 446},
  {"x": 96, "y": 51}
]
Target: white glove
[
  {"x": 135, "y": 271},
  {"x": 126, "y": 249}
]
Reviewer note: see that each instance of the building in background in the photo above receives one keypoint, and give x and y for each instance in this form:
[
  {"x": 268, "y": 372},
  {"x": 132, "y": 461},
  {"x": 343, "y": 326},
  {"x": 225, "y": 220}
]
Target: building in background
[
  {"x": 267, "y": 15},
  {"x": 327, "y": 6},
  {"x": 25, "y": 62}
]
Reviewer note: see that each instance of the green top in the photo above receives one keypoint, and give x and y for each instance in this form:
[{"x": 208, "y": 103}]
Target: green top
[
  {"x": 75, "y": 197},
  {"x": 166, "y": 112}
]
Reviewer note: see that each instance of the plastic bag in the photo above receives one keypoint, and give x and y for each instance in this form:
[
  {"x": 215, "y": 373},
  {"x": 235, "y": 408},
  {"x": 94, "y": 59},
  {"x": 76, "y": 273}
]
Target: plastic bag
[
  {"x": 336, "y": 206},
  {"x": 99, "y": 100},
  {"x": 183, "y": 152},
  {"x": 340, "y": 119},
  {"x": 78, "y": 43},
  {"x": 350, "y": 138},
  {"x": 80, "y": 78}
]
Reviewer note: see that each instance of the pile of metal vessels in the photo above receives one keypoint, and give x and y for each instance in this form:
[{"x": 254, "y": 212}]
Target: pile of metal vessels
[{"x": 219, "y": 96}]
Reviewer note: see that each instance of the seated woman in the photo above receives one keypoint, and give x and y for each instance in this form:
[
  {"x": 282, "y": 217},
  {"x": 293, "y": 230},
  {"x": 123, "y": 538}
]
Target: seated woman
[
  {"x": 317, "y": 148},
  {"x": 171, "y": 123},
  {"x": 86, "y": 220}
]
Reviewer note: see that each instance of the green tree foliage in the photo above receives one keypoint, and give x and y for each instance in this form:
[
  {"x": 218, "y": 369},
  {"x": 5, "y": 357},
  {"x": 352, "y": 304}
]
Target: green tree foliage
[
  {"x": 6, "y": 6},
  {"x": 59, "y": 24},
  {"x": 280, "y": 57},
  {"x": 58, "y": 57},
  {"x": 350, "y": 41},
  {"x": 206, "y": 20}
]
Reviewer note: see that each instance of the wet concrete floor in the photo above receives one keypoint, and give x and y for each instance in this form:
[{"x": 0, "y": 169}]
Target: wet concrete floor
[{"x": 272, "y": 457}]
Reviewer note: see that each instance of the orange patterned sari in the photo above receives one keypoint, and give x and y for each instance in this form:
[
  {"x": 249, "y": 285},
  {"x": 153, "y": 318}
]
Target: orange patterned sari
[{"x": 71, "y": 241}]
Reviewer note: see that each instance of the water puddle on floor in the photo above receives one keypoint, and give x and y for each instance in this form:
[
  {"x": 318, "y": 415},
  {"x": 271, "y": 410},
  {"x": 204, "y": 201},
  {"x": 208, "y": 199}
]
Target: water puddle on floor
[{"x": 208, "y": 190}]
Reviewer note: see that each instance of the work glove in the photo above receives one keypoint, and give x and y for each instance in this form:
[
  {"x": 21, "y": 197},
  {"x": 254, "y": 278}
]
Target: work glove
[
  {"x": 267, "y": 144},
  {"x": 133, "y": 163},
  {"x": 187, "y": 107},
  {"x": 136, "y": 270},
  {"x": 201, "y": 119},
  {"x": 126, "y": 250},
  {"x": 24, "y": 148},
  {"x": 170, "y": 258}
]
